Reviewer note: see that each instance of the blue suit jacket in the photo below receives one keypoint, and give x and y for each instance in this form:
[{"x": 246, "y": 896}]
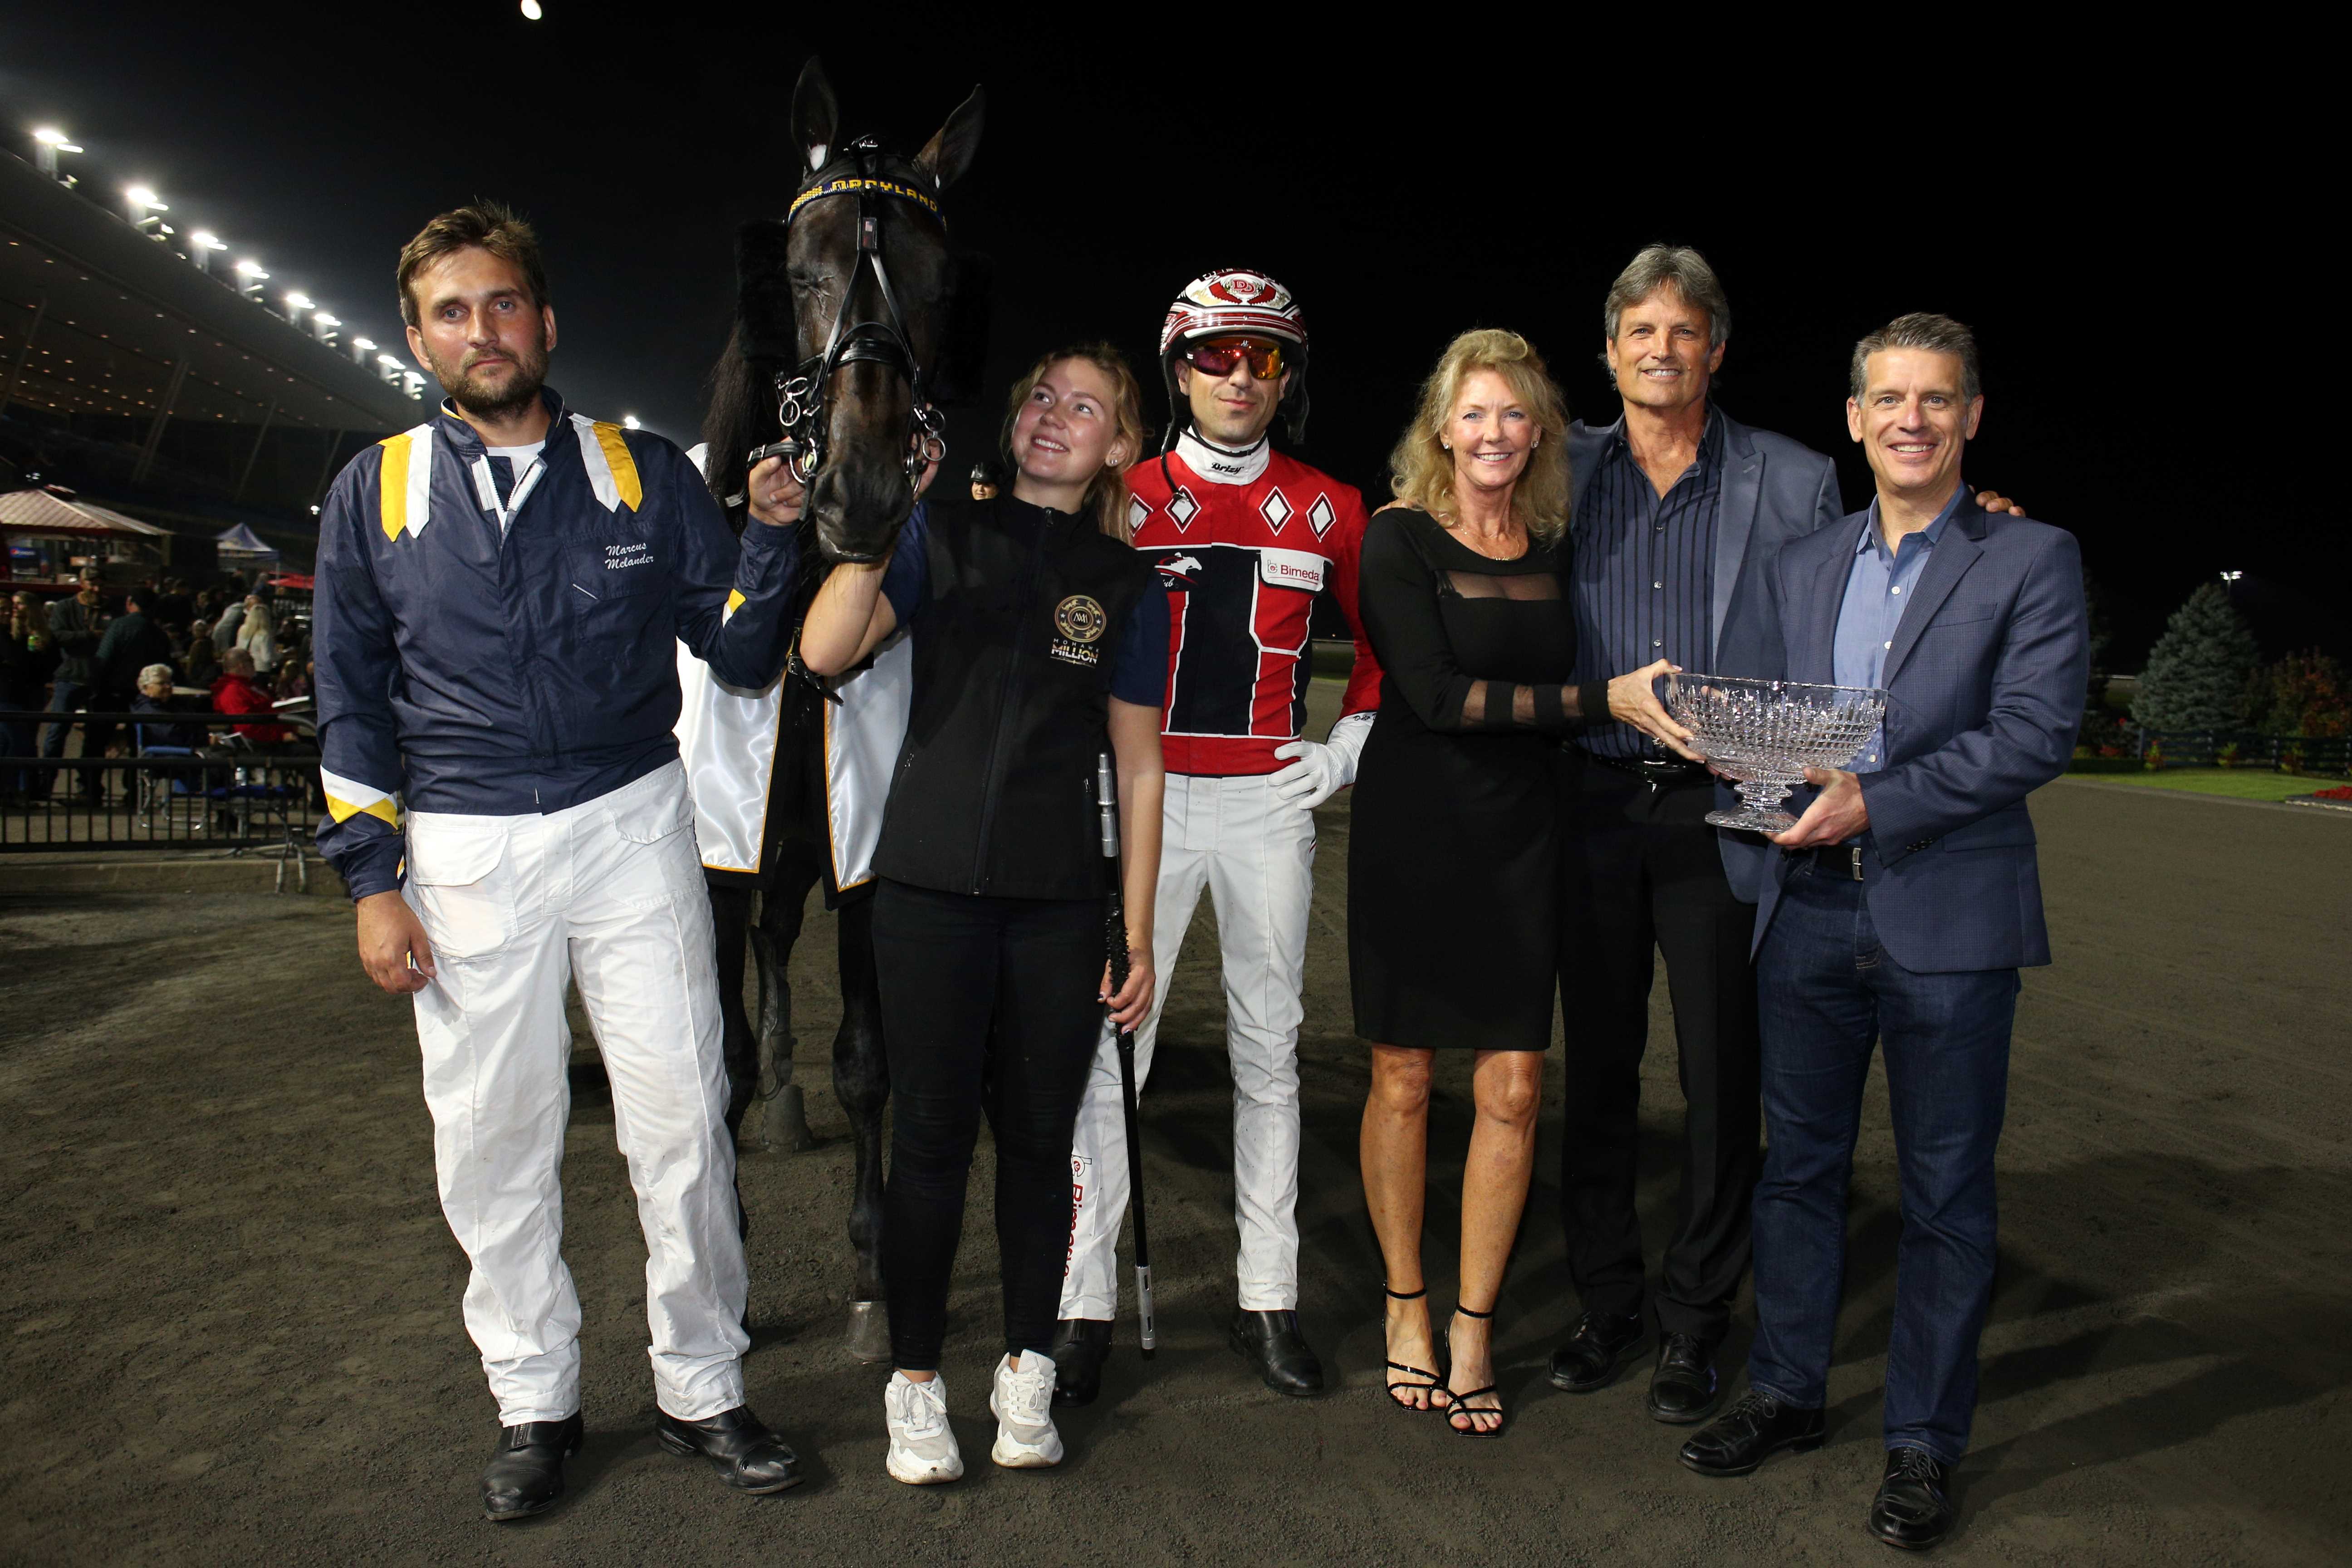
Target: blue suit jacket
[
  {"x": 1774, "y": 491},
  {"x": 1985, "y": 686}
]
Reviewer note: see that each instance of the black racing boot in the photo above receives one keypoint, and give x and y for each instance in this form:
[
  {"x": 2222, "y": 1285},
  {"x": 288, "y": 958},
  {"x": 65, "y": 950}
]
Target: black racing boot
[
  {"x": 1080, "y": 1347},
  {"x": 526, "y": 1475},
  {"x": 747, "y": 1456},
  {"x": 1271, "y": 1341}
]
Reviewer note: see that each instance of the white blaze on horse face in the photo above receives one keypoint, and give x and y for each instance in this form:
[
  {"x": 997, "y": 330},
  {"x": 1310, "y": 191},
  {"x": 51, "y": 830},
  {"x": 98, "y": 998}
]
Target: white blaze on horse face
[
  {"x": 1491, "y": 433},
  {"x": 1065, "y": 434}
]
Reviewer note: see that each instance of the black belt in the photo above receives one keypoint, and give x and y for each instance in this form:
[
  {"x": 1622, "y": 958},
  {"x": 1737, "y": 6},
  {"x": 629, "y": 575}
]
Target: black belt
[
  {"x": 1842, "y": 862},
  {"x": 1654, "y": 771}
]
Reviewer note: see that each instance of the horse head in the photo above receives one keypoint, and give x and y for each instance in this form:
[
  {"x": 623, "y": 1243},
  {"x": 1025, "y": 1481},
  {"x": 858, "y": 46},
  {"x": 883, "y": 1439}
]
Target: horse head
[{"x": 841, "y": 318}]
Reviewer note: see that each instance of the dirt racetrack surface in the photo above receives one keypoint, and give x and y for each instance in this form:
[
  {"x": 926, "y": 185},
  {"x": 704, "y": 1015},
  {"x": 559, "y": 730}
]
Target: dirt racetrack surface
[{"x": 231, "y": 1306}]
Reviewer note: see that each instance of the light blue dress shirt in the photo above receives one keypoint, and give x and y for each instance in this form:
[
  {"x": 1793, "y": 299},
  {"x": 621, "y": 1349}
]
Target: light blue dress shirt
[{"x": 1877, "y": 588}]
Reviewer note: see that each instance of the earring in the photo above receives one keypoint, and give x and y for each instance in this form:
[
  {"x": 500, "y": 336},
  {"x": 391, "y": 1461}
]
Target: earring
[{"x": 1447, "y": 445}]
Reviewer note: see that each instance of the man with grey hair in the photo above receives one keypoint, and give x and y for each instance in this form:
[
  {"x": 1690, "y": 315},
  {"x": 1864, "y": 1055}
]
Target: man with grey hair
[
  {"x": 1904, "y": 902},
  {"x": 1678, "y": 512}
]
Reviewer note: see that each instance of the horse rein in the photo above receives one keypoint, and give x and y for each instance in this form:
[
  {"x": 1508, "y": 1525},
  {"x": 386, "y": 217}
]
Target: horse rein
[{"x": 802, "y": 391}]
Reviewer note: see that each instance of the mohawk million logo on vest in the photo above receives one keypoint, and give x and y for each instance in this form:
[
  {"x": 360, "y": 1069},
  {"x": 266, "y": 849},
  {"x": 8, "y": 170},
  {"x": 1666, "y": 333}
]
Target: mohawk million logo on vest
[{"x": 1081, "y": 622}]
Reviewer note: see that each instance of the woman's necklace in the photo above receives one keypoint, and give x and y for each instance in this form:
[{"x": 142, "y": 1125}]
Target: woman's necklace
[{"x": 1508, "y": 546}]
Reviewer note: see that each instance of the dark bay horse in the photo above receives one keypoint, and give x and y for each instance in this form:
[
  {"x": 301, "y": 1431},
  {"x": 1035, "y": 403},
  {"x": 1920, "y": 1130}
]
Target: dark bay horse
[{"x": 853, "y": 319}]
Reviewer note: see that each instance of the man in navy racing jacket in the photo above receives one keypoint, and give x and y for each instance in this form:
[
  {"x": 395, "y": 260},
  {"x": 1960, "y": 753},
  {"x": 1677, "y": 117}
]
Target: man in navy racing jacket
[{"x": 499, "y": 591}]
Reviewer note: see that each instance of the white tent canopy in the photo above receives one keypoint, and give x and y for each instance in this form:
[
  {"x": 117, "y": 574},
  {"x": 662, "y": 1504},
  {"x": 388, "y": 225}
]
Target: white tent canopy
[{"x": 241, "y": 544}]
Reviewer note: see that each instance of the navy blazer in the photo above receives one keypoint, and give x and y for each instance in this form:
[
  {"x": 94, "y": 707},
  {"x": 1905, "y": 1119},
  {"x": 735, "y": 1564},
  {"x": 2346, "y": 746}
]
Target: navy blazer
[
  {"x": 1774, "y": 491},
  {"x": 1984, "y": 686}
]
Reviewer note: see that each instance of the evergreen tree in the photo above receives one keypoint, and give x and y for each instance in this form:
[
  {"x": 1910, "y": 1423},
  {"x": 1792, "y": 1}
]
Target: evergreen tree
[{"x": 2195, "y": 678}]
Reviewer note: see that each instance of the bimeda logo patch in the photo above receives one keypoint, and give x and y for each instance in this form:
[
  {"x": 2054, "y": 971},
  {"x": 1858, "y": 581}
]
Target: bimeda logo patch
[{"x": 1298, "y": 569}]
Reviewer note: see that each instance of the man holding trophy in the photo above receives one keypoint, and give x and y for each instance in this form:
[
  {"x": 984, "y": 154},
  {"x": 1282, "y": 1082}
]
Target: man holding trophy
[{"x": 1903, "y": 902}]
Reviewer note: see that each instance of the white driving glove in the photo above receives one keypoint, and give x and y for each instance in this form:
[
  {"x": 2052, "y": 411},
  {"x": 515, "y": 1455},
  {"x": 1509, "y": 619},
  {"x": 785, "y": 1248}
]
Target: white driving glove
[{"x": 1321, "y": 771}]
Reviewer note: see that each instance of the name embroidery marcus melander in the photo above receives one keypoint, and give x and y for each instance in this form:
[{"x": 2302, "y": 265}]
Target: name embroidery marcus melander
[{"x": 620, "y": 557}]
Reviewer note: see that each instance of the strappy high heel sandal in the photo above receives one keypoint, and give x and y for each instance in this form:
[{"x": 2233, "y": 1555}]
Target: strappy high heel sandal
[
  {"x": 1431, "y": 1382},
  {"x": 1459, "y": 1402}
]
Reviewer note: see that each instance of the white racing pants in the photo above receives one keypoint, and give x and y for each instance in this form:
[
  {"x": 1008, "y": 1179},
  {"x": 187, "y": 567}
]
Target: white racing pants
[
  {"x": 1254, "y": 854},
  {"x": 611, "y": 892}
]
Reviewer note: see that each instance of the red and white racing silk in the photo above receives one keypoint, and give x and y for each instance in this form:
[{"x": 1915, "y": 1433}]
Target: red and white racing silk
[{"x": 1242, "y": 544}]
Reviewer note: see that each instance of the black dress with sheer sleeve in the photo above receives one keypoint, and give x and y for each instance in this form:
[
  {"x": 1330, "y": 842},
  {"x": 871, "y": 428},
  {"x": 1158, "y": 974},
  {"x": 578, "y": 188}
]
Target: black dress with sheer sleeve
[{"x": 1453, "y": 851}]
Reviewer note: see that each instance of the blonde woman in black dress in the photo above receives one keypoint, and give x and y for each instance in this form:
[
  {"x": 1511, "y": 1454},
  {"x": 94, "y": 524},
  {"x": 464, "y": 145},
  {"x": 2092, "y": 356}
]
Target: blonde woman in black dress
[{"x": 1452, "y": 859}]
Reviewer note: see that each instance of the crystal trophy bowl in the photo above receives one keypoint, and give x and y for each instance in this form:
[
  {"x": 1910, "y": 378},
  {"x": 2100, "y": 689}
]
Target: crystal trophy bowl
[{"x": 1764, "y": 734}]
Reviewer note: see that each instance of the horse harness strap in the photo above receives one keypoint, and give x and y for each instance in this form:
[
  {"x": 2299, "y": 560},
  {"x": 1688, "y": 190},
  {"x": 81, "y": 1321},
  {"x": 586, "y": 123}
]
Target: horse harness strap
[{"x": 802, "y": 391}]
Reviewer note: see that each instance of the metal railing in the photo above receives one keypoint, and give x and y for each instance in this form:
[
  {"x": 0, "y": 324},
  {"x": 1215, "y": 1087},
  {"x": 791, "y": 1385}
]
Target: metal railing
[{"x": 230, "y": 793}]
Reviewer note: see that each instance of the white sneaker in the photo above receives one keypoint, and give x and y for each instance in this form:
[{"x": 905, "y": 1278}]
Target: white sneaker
[
  {"x": 922, "y": 1447},
  {"x": 1023, "y": 1402}
]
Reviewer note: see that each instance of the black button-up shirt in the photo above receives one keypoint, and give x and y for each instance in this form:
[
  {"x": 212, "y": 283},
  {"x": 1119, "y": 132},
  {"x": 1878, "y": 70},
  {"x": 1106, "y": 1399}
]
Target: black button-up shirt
[{"x": 1643, "y": 573}]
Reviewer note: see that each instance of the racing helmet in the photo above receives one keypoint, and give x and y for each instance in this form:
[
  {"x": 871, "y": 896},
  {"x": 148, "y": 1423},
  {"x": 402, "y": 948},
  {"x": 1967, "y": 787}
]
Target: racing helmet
[{"x": 1227, "y": 300}]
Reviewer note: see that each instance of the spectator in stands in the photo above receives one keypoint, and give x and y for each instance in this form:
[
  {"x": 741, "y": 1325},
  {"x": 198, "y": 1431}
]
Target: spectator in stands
[
  {"x": 259, "y": 635},
  {"x": 156, "y": 697},
  {"x": 175, "y": 609},
  {"x": 202, "y": 661},
  {"x": 131, "y": 642},
  {"x": 236, "y": 691},
  {"x": 76, "y": 625},
  {"x": 231, "y": 620},
  {"x": 25, "y": 660},
  {"x": 294, "y": 673}
]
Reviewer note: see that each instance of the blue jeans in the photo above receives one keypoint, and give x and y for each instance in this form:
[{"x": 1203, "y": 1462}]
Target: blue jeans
[
  {"x": 64, "y": 698},
  {"x": 1829, "y": 991}
]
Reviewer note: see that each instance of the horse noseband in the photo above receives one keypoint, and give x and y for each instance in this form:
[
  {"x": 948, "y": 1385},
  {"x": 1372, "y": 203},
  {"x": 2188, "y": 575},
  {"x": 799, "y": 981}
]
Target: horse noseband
[{"x": 802, "y": 391}]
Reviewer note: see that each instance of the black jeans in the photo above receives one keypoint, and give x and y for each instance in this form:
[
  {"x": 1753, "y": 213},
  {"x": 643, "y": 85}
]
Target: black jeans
[
  {"x": 1642, "y": 872},
  {"x": 988, "y": 1004}
]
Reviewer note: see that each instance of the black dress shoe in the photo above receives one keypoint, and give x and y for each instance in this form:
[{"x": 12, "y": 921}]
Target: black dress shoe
[
  {"x": 526, "y": 1475},
  {"x": 1271, "y": 1341},
  {"x": 1080, "y": 1347},
  {"x": 1601, "y": 1344},
  {"x": 1913, "y": 1509},
  {"x": 1750, "y": 1432},
  {"x": 747, "y": 1456},
  {"x": 1683, "y": 1387}
]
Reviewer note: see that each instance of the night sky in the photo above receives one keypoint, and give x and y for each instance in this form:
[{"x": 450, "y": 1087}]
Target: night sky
[{"x": 2125, "y": 237}]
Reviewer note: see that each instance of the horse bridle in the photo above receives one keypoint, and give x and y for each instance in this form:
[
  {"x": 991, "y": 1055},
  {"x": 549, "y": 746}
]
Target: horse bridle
[{"x": 803, "y": 390}]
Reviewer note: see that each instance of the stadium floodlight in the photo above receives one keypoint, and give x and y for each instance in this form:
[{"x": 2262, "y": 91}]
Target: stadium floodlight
[
  {"x": 413, "y": 383},
  {"x": 629, "y": 421},
  {"x": 250, "y": 270},
  {"x": 2232, "y": 576},
  {"x": 297, "y": 302},
  {"x": 322, "y": 327},
  {"x": 201, "y": 246},
  {"x": 388, "y": 369},
  {"x": 48, "y": 143},
  {"x": 361, "y": 348},
  {"x": 532, "y": 11},
  {"x": 141, "y": 204}
]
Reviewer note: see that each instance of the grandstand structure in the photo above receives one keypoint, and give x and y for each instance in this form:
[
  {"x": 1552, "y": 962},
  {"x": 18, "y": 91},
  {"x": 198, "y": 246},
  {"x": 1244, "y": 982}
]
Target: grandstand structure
[{"x": 136, "y": 375}]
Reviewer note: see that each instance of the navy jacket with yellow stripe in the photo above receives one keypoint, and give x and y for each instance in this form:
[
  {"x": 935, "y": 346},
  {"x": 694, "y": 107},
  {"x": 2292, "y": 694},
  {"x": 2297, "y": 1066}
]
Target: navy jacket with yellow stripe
[{"x": 463, "y": 667}]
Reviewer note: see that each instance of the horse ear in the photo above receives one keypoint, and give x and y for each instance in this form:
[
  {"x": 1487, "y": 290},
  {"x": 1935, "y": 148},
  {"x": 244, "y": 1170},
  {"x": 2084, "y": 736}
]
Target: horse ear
[
  {"x": 947, "y": 156},
  {"x": 815, "y": 113}
]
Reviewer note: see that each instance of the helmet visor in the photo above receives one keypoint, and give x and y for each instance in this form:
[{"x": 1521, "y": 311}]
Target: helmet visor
[{"x": 1217, "y": 356}]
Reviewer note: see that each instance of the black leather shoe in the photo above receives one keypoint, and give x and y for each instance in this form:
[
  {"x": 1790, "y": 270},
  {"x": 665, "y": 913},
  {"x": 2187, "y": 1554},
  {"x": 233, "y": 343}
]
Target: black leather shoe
[
  {"x": 1683, "y": 1387},
  {"x": 1913, "y": 1509},
  {"x": 1080, "y": 1347},
  {"x": 1754, "y": 1429},
  {"x": 1601, "y": 1344},
  {"x": 747, "y": 1456},
  {"x": 1271, "y": 1341},
  {"x": 526, "y": 1475}
]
